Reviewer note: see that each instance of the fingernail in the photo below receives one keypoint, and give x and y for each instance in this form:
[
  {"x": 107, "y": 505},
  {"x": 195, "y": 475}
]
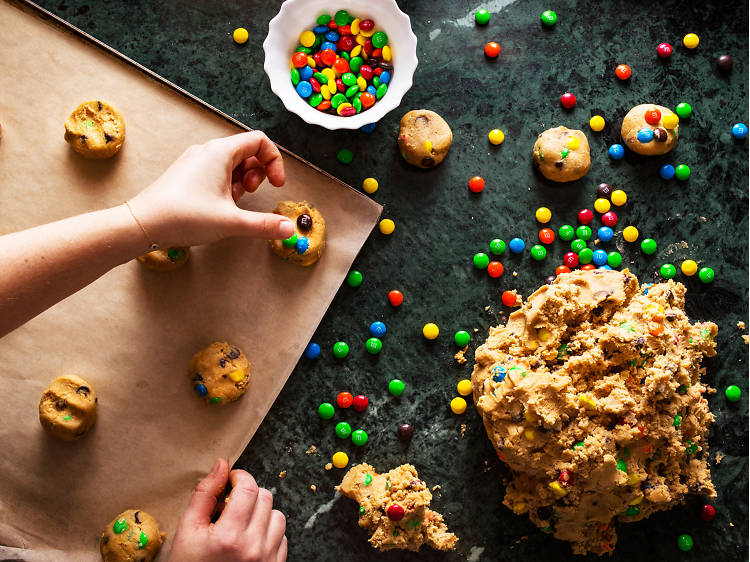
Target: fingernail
[
  {"x": 215, "y": 469},
  {"x": 286, "y": 229}
]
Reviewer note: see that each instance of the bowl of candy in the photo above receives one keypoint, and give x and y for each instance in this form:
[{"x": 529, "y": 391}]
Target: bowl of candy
[{"x": 340, "y": 65}]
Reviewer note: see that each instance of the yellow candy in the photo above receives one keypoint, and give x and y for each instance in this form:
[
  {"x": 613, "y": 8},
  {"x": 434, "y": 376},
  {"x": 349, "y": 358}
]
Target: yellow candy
[
  {"x": 619, "y": 197},
  {"x": 341, "y": 106},
  {"x": 574, "y": 143},
  {"x": 428, "y": 146},
  {"x": 340, "y": 459},
  {"x": 311, "y": 62},
  {"x": 458, "y": 405},
  {"x": 370, "y": 185},
  {"x": 601, "y": 205},
  {"x": 387, "y": 54},
  {"x": 356, "y": 51},
  {"x": 387, "y": 226},
  {"x": 557, "y": 489},
  {"x": 690, "y": 40},
  {"x": 355, "y": 29},
  {"x": 633, "y": 479},
  {"x": 332, "y": 85},
  {"x": 543, "y": 215},
  {"x": 364, "y": 33},
  {"x": 543, "y": 334},
  {"x": 361, "y": 84},
  {"x": 237, "y": 375},
  {"x": 670, "y": 121},
  {"x": 430, "y": 331},
  {"x": 529, "y": 416},
  {"x": 360, "y": 39},
  {"x": 240, "y": 35},
  {"x": 689, "y": 267},
  {"x": 496, "y": 136},
  {"x": 656, "y": 311},
  {"x": 587, "y": 402},
  {"x": 528, "y": 433},
  {"x": 464, "y": 387},
  {"x": 630, "y": 234},
  {"x": 325, "y": 92},
  {"x": 596, "y": 123},
  {"x": 636, "y": 501},
  {"x": 329, "y": 73},
  {"x": 307, "y": 39}
]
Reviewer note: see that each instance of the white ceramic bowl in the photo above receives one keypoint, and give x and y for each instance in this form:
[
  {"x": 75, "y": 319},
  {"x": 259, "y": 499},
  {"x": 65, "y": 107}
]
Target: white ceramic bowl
[{"x": 296, "y": 16}]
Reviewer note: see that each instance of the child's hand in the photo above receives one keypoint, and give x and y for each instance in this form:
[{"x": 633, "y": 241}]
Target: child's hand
[
  {"x": 194, "y": 201},
  {"x": 247, "y": 531}
]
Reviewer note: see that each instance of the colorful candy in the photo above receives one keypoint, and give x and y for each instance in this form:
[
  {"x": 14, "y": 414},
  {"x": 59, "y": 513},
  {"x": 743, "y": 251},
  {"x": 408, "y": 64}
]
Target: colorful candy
[
  {"x": 492, "y": 49},
  {"x": 476, "y": 184},
  {"x": 739, "y": 131},
  {"x": 689, "y": 268},
  {"x": 571, "y": 260},
  {"x": 458, "y": 405},
  {"x": 549, "y": 18},
  {"x": 585, "y": 216},
  {"x": 683, "y": 110},
  {"x": 706, "y": 275},
  {"x": 605, "y": 234},
  {"x": 354, "y": 278},
  {"x": 599, "y": 257},
  {"x": 240, "y": 35},
  {"x": 326, "y": 411},
  {"x": 733, "y": 393},
  {"x": 359, "y": 437},
  {"x": 395, "y": 297},
  {"x": 340, "y": 349},
  {"x": 682, "y": 172},
  {"x": 538, "y": 252},
  {"x": 370, "y": 185},
  {"x": 560, "y": 269},
  {"x": 395, "y": 512},
  {"x": 509, "y": 298},
  {"x": 396, "y": 387},
  {"x": 577, "y": 245},
  {"x": 725, "y": 63},
  {"x": 668, "y": 271},
  {"x": 602, "y": 205},
  {"x": 464, "y": 387},
  {"x": 405, "y": 432},
  {"x": 340, "y": 459},
  {"x": 667, "y": 172},
  {"x": 387, "y": 226},
  {"x": 546, "y": 236},
  {"x": 630, "y": 234},
  {"x": 302, "y": 245},
  {"x": 664, "y": 50},
  {"x": 609, "y": 219},
  {"x": 481, "y": 260},
  {"x": 623, "y": 71},
  {"x": 645, "y": 135},
  {"x": 690, "y": 40},
  {"x": 648, "y": 246},
  {"x": 373, "y": 346},
  {"x": 614, "y": 259},
  {"x": 585, "y": 256},
  {"x": 430, "y": 331},
  {"x": 616, "y": 152},
  {"x": 462, "y": 338},
  {"x": 517, "y": 245},
  {"x": 619, "y": 197},
  {"x": 495, "y": 269},
  {"x": 596, "y": 123},
  {"x": 360, "y": 402},
  {"x": 344, "y": 399},
  {"x": 496, "y": 136},
  {"x": 312, "y": 350},
  {"x": 708, "y": 513},
  {"x": 482, "y": 17},
  {"x": 568, "y": 100},
  {"x": 669, "y": 121},
  {"x": 343, "y": 430},
  {"x": 543, "y": 215},
  {"x": 566, "y": 232},
  {"x": 685, "y": 542},
  {"x": 345, "y": 156},
  {"x": 497, "y": 247}
]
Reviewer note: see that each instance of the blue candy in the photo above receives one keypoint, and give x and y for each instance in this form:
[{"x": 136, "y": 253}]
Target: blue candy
[
  {"x": 320, "y": 29},
  {"x": 201, "y": 389},
  {"x": 605, "y": 266},
  {"x": 517, "y": 245},
  {"x": 385, "y": 77},
  {"x": 372, "y": 90},
  {"x": 369, "y": 128},
  {"x": 646, "y": 287},
  {"x": 605, "y": 234},
  {"x": 332, "y": 36},
  {"x": 600, "y": 257},
  {"x": 498, "y": 373},
  {"x": 304, "y": 89},
  {"x": 312, "y": 350},
  {"x": 302, "y": 245},
  {"x": 305, "y": 73},
  {"x": 739, "y": 131},
  {"x": 328, "y": 45},
  {"x": 377, "y": 329},
  {"x": 645, "y": 135},
  {"x": 666, "y": 172},
  {"x": 616, "y": 152}
]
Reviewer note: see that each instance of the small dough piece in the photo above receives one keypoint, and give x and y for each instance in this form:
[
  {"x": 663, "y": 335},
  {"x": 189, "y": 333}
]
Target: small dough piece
[
  {"x": 375, "y": 493},
  {"x": 591, "y": 394},
  {"x": 165, "y": 260},
  {"x": 67, "y": 409},
  {"x": 557, "y": 160},
  {"x": 424, "y": 138},
  {"x": 95, "y": 129},
  {"x": 220, "y": 373},
  {"x": 664, "y": 139},
  {"x": 132, "y": 536},
  {"x": 315, "y": 234}
]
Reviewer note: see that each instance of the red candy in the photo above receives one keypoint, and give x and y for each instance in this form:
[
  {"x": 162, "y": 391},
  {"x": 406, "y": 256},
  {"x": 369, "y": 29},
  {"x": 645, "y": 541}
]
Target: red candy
[
  {"x": 476, "y": 184},
  {"x": 495, "y": 269},
  {"x": 377, "y": 53},
  {"x": 708, "y": 513},
  {"x": 664, "y": 50},
  {"x": 360, "y": 402},
  {"x": 492, "y": 49},
  {"x": 315, "y": 84},
  {"x": 378, "y": 71},
  {"x": 395, "y": 512},
  {"x": 588, "y": 267},
  {"x": 622, "y": 71},
  {"x": 346, "y": 43},
  {"x": 345, "y": 30},
  {"x": 395, "y": 297},
  {"x": 609, "y": 219},
  {"x": 571, "y": 259},
  {"x": 585, "y": 216},
  {"x": 560, "y": 269},
  {"x": 344, "y": 399},
  {"x": 366, "y": 71},
  {"x": 652, "y": 116},
  {"x": 348, "y": 112},
  {"x": 566, "y": 478},
  {"x": 340, "y": 85},
  {"x": 368, "y": 48},
  {"x": 546, "y": 236},
  {"x": 328, "y": 56},
  {"x": 318, "y": 59},
  {"x": 366, "y": 25},
  {"x": 299, "y": 59},
  {"x": 332, "y": 25},
  {"x": 509, "y": 298},
  {"x": 568, "y": 100}
]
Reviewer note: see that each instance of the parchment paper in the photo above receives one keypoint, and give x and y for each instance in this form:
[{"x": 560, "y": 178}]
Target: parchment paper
[{"x": 132, "y": 333}]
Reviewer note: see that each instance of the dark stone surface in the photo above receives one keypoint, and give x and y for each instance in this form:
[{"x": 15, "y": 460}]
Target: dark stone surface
[{"x": 439, "y": 226}]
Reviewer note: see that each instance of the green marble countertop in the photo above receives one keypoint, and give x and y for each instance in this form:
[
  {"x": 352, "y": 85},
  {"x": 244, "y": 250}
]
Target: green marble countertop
[{"x": 439, "y": 226}]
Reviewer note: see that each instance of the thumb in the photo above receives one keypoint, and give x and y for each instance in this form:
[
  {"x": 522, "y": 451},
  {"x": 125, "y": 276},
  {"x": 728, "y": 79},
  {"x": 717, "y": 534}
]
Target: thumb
[
  {"x": 262, "y": 225},
  {"x": 206, "y": 494}
]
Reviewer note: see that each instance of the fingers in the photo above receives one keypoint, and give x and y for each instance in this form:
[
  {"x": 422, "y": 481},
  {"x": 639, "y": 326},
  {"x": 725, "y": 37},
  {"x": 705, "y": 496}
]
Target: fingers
[
  {"x": 262, "y": 225},
  {"x": 204, "y": 498},
  {"x": 253, "y": 178},
  {"x": 281, "y": 554},
  {"x": 275, "y": 534},
  {"x": 256, "y": 144},
  {"x": 242, "y": 499},
  {"x": 261, "y": 517}
]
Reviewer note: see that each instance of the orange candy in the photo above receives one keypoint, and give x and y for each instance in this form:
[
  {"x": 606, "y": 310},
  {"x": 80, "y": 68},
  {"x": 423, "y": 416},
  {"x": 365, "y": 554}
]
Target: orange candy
[
  {"x": 367, "y": 99},
  {"x": 341, "y": 66},
  {"x": 588, "y": 267},
  {"x": 510, "y": 298},
  {"x": 495, "y": 269},
  {"x": 562, "y": 269},
  {"x": 322, "y": 106},
  {"x": 299, "y": 59},
  {"x": 652, "y": 116},
  {"x": 492, "y": 49},
  {"x": 328, "y": 56},
  {"x": 622, "y": 71},
  {"x": 546, "y": 236},
  {"x": 476, "y": 184},
  {"x": 655, "y": 329}
]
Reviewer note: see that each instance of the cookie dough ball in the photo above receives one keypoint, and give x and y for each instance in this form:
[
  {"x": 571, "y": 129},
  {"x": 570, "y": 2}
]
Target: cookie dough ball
[
  {"x": 220, "y": 373},
  {"x": 562, "y": 154},
  {"x": 95, "y": 129},
  {"x": 592, "y": 395},
  {"x": 656, "y": 137},
  {"x": 133, "y": 536},
  {"x": 306, "y": 245},
  {"x": 68, "y": 407},
  {"x": 424, "y": 138},
  {"x": 165, "y": 260}
]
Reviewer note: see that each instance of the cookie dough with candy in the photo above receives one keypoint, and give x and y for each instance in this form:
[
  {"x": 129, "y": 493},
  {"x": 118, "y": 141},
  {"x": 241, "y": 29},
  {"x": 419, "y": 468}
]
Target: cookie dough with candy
[
  {"x": 424, "y": 138},
  {"x": 650, "y": 129},
  {"x": 68, "y": 408},
  {"x": 165, "y": 260},
  {"x": 95, "y": 129},
  {"x": 220, "y": 373},
  {"x": 562, "y": 154},
  {"x": 305, "y": 246},
  {"x": 133, "y": 536}
]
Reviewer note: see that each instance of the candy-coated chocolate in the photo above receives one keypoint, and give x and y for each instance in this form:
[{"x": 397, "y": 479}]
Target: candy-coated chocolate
[
  {"x": 616, "y": 152},
  {"x": 560, "y": 269},
  {"x": 509, "y": 298},
  {"x": 354, "y": 278},
  {"x": 546, "y": 236},
  {"x": 690, "y": 40},
  {"x": 373, "y": 346},
  {"x": 430, "y": 331},
  {"x": 668, "y": 271},
  {"x": 496, "y": 136},
  {"x": 602, "y": 205},
  {"x": 405, "y": 432},
  {"x": 326, "y": 411},
  {"x": 605, "y": 234},
  {"x": 667, "y": 172},
  {"x": 570, "y": 259},
  {"x": 492, "y": 49},
  {"x": 344, "y": 399},
  {"x": 543, "y": 215},
  {"x": 476, "y": 184},
  {"x": 482, "y": 17},
  {"x": 312, "y": 351},
  {"x": 387, "y": 226},
  {"x": 538, "y": 252},
  {"x": 609, "y": 219},
  {"x": 458, "y": 405},
  {"x": 739, "y": 131},
  {"x": 481, "y": 260},
  {"x": 707, "y": 513},
  {"x": 497, "y": 247},
  {"x": 517, "y": 245},
  {"x": 585, "y": 216},
  {"x": 682, "y": 172},
  {"x": 495, "y": 269},
  {"x": 340, "y": 349},
  {"x": 462, "y": 338},
  {"x": 630, "y": 234},
  {"x": 733, "y": 393},
  {"x": 664, "y": 50},
  {"x": 395, "y": 512},
  {"x": 395, "y": 297},
  {"x": 706, "y": 275},
  {"x": 689, "y": 268},
  {"x": 623, "y": 71},
  {"x": 566, "y": 233},
  {"x": 549, "y": 18},
  {"x": 343, "y": 430},
  {"x": 240, "y": 36},
  {"x": 648, "y": 246},
  {"x": 568, "y": 100},
  {"x": 597, "y": 123},
  {"x": 396, "y": 387},
  {"x": 340, "y": 459}
]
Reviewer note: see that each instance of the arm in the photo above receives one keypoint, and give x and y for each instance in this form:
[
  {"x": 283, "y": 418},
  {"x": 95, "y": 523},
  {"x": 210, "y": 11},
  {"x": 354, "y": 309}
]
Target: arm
[{"x": 192, "y": 203}]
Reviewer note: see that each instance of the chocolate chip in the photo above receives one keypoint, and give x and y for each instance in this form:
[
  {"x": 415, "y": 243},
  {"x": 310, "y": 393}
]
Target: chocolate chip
[
  {"x": 96, "y": 400},
  {"x": 725, "y": 62},
  {"x": 105, "y": 539},
  {"x": 660, "y": 135},
  {"x": 405, "y": 432},
  {"x": 109, "y": 138},
  {"x": 135, "y": 516},
  {"x": 597, "y": 311},
  {"x": 639, "y": 341},
  {"x": 544, "y": 512},
  {"x": 550, "y": 279},
  {"x": 197, "y": 377},
  {"x": 559, "y": 164},
  {"x": 385, "y": 66},
  {"x": 428, "y": 162},
  {"x": 604, "y": 190},
  {"x": 304, "y": 222},
  {"x": 83, "y": 390},
  {"x": 234, "y": 353},
  {"x": 60, "y": 404},
  {"x": 99, "y": 104},
  {"x": 671, "y": 316},
  {"x": 83, "y": 139},
  {"x": 222, "y": 362}
]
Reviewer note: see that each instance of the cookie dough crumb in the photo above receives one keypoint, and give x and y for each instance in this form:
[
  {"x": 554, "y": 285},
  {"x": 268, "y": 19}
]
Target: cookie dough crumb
[
  {"x": 486, "y": 309},
  {"x": 515, "y": 274},
  {"x": 746, "y": 339},
  {"x": 741, "y": 325},
  {"x": 719, "y": 457},
  {"x": 328, "y": 466},
  {"x": 436, "y": 487},
  {"x": 702, "y": 218},
  {"x": 463, "y": 429},
  {"x": 313, "y": 487},
  {"x": 312, "y": 450},
  {"x": 282, "y": 474},
  {"x": 459, "y": 356}
]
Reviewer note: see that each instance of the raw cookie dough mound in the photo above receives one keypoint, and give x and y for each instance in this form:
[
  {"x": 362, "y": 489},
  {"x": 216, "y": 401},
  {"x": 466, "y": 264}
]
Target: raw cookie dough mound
[
  {"x": 133, "y": 536},
  {"x": 306, "y": 245},
  {"x": 592, "y": 395},
  {"x": 220, "y": 373},
  {"x": 95, "y": 129},
  {"x": 424, "y": 138},
  {"x": 165, "y": 260},
  {"x": 656, "y": 137},
  {"x": 394, "y": 507},
  {"x": 68, "y": 407},
  {"x": 562, "y": 154}
]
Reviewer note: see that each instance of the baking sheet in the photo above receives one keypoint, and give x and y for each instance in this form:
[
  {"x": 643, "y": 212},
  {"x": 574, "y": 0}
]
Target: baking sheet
[{"x": 132, "y": 333}]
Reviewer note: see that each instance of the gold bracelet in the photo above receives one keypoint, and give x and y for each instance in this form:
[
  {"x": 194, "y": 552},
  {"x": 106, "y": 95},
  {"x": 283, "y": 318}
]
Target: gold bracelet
[{"x": 154, "y": 245}]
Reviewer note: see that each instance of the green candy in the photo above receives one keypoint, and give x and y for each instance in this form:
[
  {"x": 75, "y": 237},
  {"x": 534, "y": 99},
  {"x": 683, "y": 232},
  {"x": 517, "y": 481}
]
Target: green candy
[
  {"x": 326, "y": 411},
  {"x": 368, "y": 479},
  {"x": 295, "y": 76},
  {"x": 577, "y": 245},
  {"x": 359, "y": 437},
  {"x": 579, "y": 444},
  {"x": 323, "y": 19},
  {"x": 685, "y": 542},
  {"x": 215, "y": 400},
  {"x": 341, "y": 17},
  {"x": 142, "y": 540},
  {"x": 302, "y": 49},
  {"x": 622, "y": 466},
  {"x": 316, "y": 99},
  {"x": 348, "y": 78},
  {"x": 497, "y": 247},
  {"x": 345, "y": 156},
  {"x": 706, "y": 275},
  {"x": 462, "y": 338},
  {"x": 379, "y": 39},
  {"x": 340, "y": 349},
  {"x": 176, "y": 254},
  {"x": 481, "y": 260},
  {"x": 352, "y": 91},
  {"x": 668, "y": 271},
  {"x": 361, "y": 511},
  {"x": 320, "y": 77},
  {"x": 566, "y": 233},
  {"x": 632, "y": 511},
  {"x": 733, "y": 393},
  {"x": 376, "y": 81},
  {"x": 614, "y": 259},
  {"x": 564, "y": 153},
  {"x": 382, "y": 89},
  {"x": 682, "y": 172},
  {"x": 586, "y": 256},
  {"x": 343, "y": 430},
  {"x": 357, "y": 104},
  {"x": 344, "y": 55},
  {"x": 683, "y": 110},
  {"x": 119, "y": 526},
  {"x": 66, "y": 418},
  {"x": 482, "y": 17},
  {"x": 337, "y": 100},
  {"x": 538, "y": 252},
  {"x": 648, "y": 246},
  {"x": 583, "y": 232},
  {"x": 354, "y": 278},
  {"x": 291, "y": 241},
  {"x": 677, "y": 420},
  {"x": 396, "y": 387},
  {"x": 549, "y": 18},
  {"x": 356, "y": 63},
  {"x": 373, "y": 346},
  {"x": 316, "y": 44},
  {"x": 691, "y": 448}
]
